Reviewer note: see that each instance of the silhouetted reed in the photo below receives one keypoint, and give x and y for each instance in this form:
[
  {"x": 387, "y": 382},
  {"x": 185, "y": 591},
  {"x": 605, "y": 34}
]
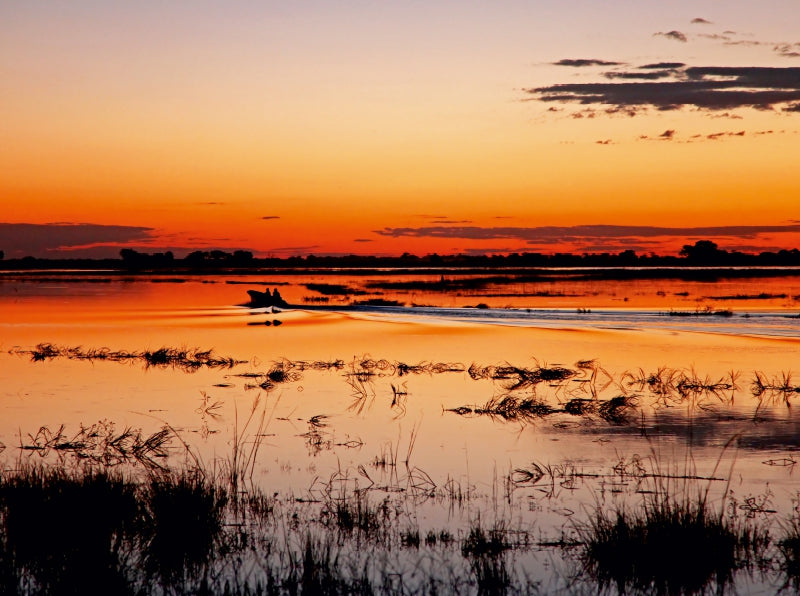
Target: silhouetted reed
[
  {"x": 101, "y": 444},
  {"x": 706, "y": 312},
  {"x": 65, "y": 529},
  {"x": 186, "y": 359}
]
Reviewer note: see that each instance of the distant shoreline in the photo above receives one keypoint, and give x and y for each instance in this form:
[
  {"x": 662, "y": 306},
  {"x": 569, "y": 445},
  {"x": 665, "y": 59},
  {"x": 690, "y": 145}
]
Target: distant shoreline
[{"x": 97, "y": 269}]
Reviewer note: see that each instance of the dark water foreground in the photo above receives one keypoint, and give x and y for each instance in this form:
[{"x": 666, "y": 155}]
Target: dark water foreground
[
  {"x": 124, "y": 511},
  {"x": 73, "y": 529}
]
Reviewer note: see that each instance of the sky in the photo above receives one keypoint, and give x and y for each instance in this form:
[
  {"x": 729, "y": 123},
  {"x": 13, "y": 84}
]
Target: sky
[{"x": 311, "y": 127}]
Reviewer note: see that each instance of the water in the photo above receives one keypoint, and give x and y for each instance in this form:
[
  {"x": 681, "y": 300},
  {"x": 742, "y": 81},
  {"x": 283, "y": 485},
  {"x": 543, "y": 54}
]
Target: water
[{"x": 387, "y": 397}]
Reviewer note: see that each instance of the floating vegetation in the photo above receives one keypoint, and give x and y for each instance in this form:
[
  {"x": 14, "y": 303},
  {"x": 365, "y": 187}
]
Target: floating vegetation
[
  {"x": 782, "y": 385},
  {"x": 377, "y": 302},
  {"x": 101, "y": 444},
  {"x": 520, "y": 378},
  {"x": 761, "y": 296},
  {"x": 705, "y": 312},
  {"x": 334, "y": 289},
  {"x": 511, "y": 408},
  {"x": 679, "y": 383},
  {"x": 186, "y": 359},
  {"x": 516, "y": 409}
]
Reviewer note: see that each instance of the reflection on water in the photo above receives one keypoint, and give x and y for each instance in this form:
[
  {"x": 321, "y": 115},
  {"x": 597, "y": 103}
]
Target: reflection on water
[{"x": 528, "y": 411}]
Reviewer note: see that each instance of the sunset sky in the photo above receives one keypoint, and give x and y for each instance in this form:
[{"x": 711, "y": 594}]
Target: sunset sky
[{"x": 388, "y": 127}]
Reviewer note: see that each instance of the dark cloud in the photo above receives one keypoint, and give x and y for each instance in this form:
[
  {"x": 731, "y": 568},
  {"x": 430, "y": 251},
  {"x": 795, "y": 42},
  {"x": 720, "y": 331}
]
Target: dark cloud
[
  {"x": 53, "y": 239},
  {"x": 706, "y": 87},
  {"x": 271, "y": 217},
  {"x": 718, "y": 135},
  {"x": 750, "y": 43},
  {"x": 582, "y": 62},
  {"x": 715, "y": 36},
  {"x": 667, "y": 134},
  {"x": 604, "y": 142},
  {"x": 211, "y": 203},
  {"x": 363, "y": 240},
  {"x": 795, "y": 107},
  {"x": 788, "y": 50},
  {"x": 662, "y": 66},
  {"x": 649, "y": 75},
  {"x": 676, "y": 35},
  {"x": 451, "y": 221},
  {"x": 701, "y": 21},
  {"x": 727, "y": 115},
  {"x": 585, "y": 233}
]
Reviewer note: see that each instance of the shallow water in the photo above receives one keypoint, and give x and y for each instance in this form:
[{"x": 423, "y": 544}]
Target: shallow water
[{"x": 401, "y": 409}]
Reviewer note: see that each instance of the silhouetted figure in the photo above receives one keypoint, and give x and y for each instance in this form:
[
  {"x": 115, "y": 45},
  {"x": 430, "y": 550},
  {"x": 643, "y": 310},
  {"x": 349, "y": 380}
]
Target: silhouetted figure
[{"x": 266, "y": 299}]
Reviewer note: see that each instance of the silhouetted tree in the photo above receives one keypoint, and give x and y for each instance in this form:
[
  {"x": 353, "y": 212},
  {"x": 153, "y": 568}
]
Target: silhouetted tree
[
  {"x": 2, "y": 255},
  {"x": 242, "y": 255},
  {"x": 197, "y": 256},
  {"x": 703, "y": 251}
]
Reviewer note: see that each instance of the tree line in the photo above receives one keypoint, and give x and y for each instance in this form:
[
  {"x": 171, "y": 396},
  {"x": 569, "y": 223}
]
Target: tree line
[{"x": 703, "y": 253}]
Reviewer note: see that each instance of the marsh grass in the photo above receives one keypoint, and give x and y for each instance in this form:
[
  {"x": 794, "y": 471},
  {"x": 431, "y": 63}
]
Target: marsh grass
[
  {"x": 101, "y": 444},
  {"x": 675, "y": 541},
  {"x": 511, "y": 408},
  {"x": 64, "y": 529},
  {"x": 705, "y": 312},
  {"x": 196, "y": 531},
  {"x": 185, "y": 359}
]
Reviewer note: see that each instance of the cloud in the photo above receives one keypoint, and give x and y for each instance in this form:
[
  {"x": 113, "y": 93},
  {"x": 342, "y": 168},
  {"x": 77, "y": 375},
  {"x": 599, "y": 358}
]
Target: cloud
[
  {"x": 788, "y": 50},
  {"x": 545, "y": 235},
  {"x": 667, "y": 135},
  {"x": 717, "y": 37},
  {"x": 49, "y": 240},
  {"x": 718, "y": 135},
  {"x": 604, "y": 142},
  {"x": 271, "y": 217},
  {"x": 701, "y": 21},
  {"x": 662, "y": 66},
  {"x": 583, "y": 62},
  {"x": 703, "y": 87},
  {"x": 676, "y": 35},
  {"x": 750, "y": 43},
  {"x": 363, "y": 240},
  {"x": 451, "y": 221},
  {"x": 795, "y": 107},
  {"x": 650, "y": 75}
]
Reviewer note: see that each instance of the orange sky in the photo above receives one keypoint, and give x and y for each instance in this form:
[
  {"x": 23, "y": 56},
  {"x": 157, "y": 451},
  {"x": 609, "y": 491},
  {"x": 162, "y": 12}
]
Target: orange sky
[{"x": 361, "y": 127}]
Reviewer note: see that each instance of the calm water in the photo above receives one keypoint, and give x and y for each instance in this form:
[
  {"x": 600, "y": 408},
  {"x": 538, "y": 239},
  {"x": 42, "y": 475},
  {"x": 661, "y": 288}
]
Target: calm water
[{"x": 433, "y": 385}]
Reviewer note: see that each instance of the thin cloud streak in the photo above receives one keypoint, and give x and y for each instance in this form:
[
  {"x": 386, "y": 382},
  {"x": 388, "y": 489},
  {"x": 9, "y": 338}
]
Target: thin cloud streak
[
  {"x": 583, "y": 233},
  {"x": 703, "y": 87},
  {"x": 583, "y": 62},
  {"x": 47, "y": 240},
  {"x": 676, "y": 35}
]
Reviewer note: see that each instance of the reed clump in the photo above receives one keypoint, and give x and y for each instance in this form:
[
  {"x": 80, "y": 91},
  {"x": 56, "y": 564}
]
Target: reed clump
[
  {"x": 67, "y": 528},
  {"x": 674, "y": 542},
  {"x": 185, "y": 359}
]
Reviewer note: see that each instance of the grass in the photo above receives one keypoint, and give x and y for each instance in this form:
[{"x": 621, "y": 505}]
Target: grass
[
  {"x": 102, "y": 444},
  {"x": 186, "y": 359},
  {"x": 674, "y": 541},
  {"x": 65, "y": 529},
  {"x": 705, "y": 312},
  {"x": 194, "y": 531},
  {"x": 666, "y": 548},
  {"x": 334, "y": 289}
]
